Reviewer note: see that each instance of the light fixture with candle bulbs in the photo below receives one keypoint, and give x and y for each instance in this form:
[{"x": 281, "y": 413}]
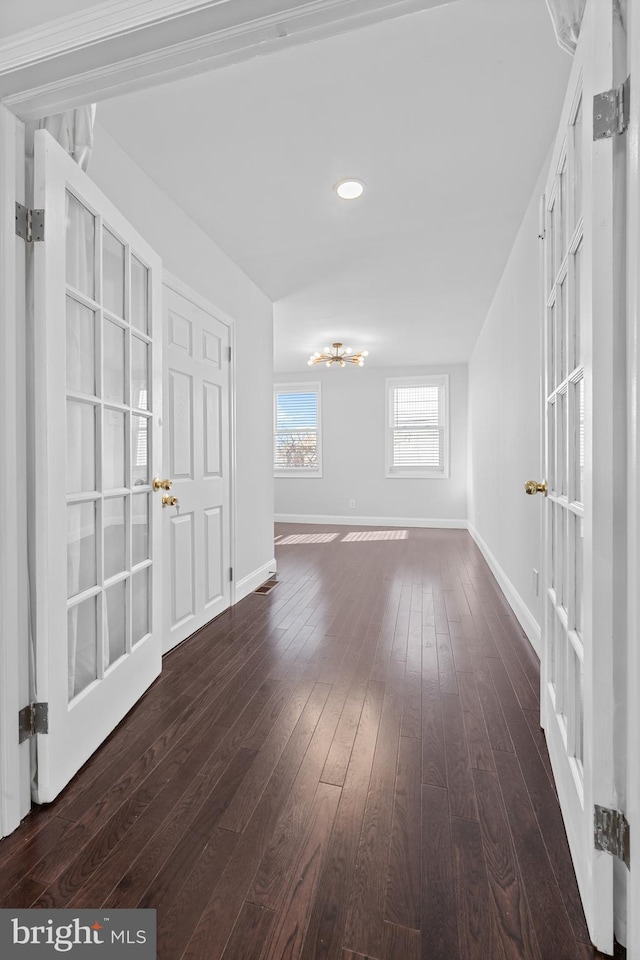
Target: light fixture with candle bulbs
[{"x": 337, "y": 353}]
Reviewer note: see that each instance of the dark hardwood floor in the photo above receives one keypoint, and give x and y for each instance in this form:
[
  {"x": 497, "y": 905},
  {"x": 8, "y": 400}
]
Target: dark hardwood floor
[{"x": 348, "y": 766}]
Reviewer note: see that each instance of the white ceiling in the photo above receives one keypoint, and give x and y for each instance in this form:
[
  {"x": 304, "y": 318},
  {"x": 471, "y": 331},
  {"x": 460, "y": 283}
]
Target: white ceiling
[{"x": 446, "y": 114}]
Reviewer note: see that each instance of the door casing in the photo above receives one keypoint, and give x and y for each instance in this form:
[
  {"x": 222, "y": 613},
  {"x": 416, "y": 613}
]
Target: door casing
[
  {"x": 633, "y": 482},
  {"x": 14, "y": 670}
]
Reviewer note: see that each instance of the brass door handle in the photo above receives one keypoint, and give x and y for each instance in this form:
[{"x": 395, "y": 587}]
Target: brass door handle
[
  {"x": 161, "y": 484},
  {"x": 169, "y": 501},
  {"x": 532, "y": 486}
]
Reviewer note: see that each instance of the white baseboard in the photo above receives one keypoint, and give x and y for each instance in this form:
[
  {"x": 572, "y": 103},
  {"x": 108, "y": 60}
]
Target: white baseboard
[
  {"x": 249, "y": 583},
  {"x": 526, "y": 619},
  {"x": 371, "y": 521}
]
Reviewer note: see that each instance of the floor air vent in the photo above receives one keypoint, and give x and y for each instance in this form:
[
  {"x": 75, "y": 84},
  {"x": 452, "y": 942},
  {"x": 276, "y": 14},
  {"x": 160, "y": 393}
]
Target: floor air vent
[{"x": 267, "y": 586}]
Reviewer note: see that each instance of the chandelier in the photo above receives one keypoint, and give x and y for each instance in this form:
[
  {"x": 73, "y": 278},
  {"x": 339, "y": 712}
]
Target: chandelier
[{"x": 337, "y": 353}]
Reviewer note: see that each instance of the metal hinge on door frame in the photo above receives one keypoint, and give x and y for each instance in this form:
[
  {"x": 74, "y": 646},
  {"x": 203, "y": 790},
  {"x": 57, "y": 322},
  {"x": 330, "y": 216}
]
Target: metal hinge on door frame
[
  {"x": 611, "y": 833},
  {"x": 611, "y": 111},
  {"x": 32, "y": 719},
  {"x": 29, "y": 223}
]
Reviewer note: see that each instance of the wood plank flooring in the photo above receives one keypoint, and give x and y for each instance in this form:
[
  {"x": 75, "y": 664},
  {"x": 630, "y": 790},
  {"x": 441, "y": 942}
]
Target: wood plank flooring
[{"x": 347, "y": 767}]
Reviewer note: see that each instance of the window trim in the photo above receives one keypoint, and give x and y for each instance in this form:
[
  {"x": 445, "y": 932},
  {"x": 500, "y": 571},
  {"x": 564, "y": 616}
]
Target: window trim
[
  {"x": 442, "y": 381},
  {"x": 299, "y": 473}
]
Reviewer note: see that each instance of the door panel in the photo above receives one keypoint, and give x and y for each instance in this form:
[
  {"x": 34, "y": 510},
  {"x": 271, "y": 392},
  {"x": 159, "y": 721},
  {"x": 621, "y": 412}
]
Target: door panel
[
  {"x": 214, "y": 540},
  {"x": 577, "y": 700},
  {"x": 180, "y": 404},
  {"x": 179, "y": 333},
  {"x": 211, "y": 348},
  {"x": 197, "y": 443},
  {"x": 212, "y": 429},
  {"x": 96, "y": 402},
  {"x": 183, "y": 586}
]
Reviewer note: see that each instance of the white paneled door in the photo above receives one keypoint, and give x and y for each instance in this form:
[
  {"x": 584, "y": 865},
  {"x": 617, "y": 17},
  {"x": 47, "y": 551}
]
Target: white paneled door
[
  {"x": 577, "y": 699},
  {"x": 97, "y": 396},
  {"x": 196, "y": 531}
]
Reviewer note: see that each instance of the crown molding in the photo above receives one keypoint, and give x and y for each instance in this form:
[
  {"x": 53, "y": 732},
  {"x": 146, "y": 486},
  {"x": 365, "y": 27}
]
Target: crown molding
[
  {"x": 125, "y": 45},
  {"x": 106, "y": 20}
]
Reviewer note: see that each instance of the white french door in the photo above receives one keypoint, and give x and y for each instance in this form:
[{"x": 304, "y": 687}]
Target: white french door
[
  {"x": 97, "y": 395},
  {"x": 197, "y": 531},
  {"x": 577, "y": 699}
]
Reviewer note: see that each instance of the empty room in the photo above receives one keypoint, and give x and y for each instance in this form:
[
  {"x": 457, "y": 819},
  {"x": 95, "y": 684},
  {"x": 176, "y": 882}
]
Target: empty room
[{"x": 319, "y": 447}]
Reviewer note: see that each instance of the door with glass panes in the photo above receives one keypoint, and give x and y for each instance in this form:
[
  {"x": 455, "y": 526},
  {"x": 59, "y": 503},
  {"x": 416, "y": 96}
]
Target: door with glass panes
[
  {"x": 96, "y": 398},
  {"x": 576, "y": 701}
]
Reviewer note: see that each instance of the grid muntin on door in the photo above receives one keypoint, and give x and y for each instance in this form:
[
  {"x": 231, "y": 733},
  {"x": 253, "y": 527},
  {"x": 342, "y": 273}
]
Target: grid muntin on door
[
  {"x": 565, "y": 399},
  {"x": 109, "y": 406}
]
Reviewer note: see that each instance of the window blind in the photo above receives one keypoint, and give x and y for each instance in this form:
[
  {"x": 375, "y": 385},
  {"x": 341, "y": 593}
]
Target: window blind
[
  {"x": 296, "y": 430},
  {"x": 417, "y": 428}
]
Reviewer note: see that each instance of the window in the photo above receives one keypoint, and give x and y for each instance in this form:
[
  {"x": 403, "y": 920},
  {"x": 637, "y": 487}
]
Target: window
[
  {"x": 418, "y": 427},
  {"x": 296, "y": 430}
]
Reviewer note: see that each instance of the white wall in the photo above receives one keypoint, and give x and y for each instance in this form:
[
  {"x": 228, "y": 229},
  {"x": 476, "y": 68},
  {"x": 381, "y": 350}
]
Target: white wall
[
  {"x": 189, "y": 254},
  {"x": 353, "y": 449},
  {"x": 504, "y": 424}
]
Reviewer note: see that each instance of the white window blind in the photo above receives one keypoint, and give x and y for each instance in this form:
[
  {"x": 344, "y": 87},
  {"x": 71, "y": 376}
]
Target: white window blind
[
  {"x": 296, "y": 416},
  {"x": 417, "y": 439}
]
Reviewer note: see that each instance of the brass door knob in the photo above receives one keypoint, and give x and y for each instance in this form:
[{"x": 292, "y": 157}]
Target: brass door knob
[
  {"x": 169, "y": 501},
  {"x": 532, "y": 486},
  {"x": 161, "y": 484}
]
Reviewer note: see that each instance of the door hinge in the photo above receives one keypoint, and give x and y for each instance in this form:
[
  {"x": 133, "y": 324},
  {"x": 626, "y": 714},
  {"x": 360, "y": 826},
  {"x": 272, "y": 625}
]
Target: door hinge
[
  {"x": 230, "y": 573},
  {"x": 611, "y": 833},
  {"x": 32, "y": 719},
  {"x": 29, "y": 223},
  {"x": 229, "y": 354},
  {"x": 611, "y": 111}
]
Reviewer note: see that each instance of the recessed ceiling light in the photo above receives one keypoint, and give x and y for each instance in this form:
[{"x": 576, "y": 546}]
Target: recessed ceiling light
[{"x": 349, "y": 189}]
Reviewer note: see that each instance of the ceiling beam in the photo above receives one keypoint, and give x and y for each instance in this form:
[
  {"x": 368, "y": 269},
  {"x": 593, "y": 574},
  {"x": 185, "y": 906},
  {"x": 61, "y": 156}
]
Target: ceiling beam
[{"x": 120, "y": 46}]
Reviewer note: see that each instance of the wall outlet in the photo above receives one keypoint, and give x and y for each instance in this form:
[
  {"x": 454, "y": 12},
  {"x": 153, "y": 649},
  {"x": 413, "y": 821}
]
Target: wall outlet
[
  {"x": 352, "y": 504},
  {"x": 535, "y": 582}
]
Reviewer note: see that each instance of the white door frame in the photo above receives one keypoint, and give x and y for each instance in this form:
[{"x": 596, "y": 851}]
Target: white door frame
[
  {"x": 14, "y": 670},
  {"x": 86, "y": 47},
  {"x": 182, "y": 289},
  {"x": 633, "y": 478}
]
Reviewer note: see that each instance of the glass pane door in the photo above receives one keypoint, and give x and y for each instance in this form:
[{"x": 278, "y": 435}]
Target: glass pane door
[
  {"x": 584, "y": 449},
  {"x": 564, "y": 390},
  {"x": 109, "y": 403},
  {"x": 97, "y": 401}
]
